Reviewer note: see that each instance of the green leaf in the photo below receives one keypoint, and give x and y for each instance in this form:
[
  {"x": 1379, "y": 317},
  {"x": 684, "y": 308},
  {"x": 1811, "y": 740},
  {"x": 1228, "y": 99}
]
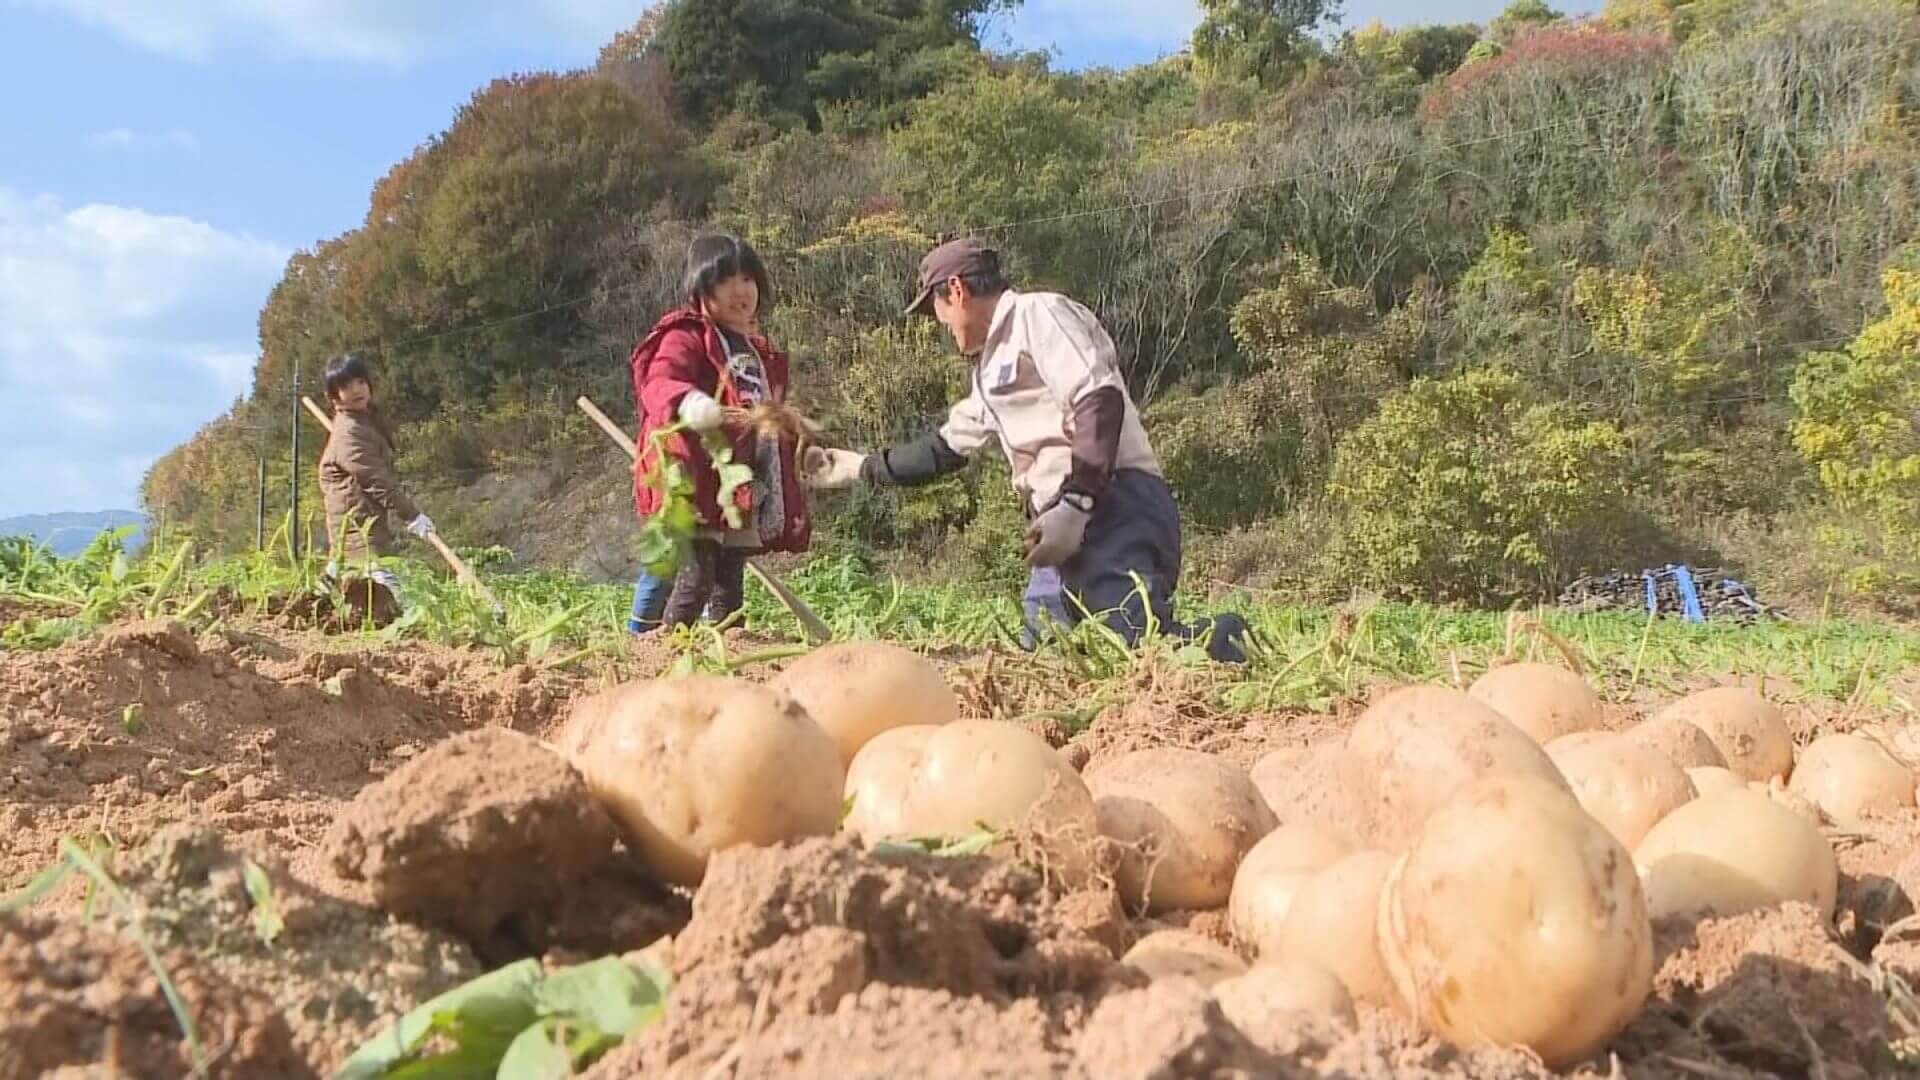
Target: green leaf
[
  {"x": 130, "y": 719},
  {"x": 493, "y": 1001},
  {"x": 607, "y": 994},
  {"x": 267, "y": 921},
  {"x": 535, "y": 1056}
]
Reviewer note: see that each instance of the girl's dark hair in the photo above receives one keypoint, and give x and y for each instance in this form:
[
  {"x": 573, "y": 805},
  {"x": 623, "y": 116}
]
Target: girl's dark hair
[
  {"x": 715, "y": 257},
  {"x": 345, "y": 370}
]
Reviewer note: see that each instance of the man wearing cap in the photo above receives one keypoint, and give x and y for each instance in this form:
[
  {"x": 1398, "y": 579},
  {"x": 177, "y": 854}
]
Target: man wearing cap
[{"x": 1046, "y": 384}]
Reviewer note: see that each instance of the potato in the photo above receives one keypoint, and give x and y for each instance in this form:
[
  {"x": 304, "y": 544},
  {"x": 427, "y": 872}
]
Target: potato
[
  {"x": 689, "y": 767},
  {"x": 1331, "y": 922},
  {"x": 878, "y": 779},
  {"x": 1730, "y": 852},
  {"x": 1709, "y": 778},
  {"x": 1542, "y": 700},
  {"x": 1777, "y": 791},
  {"x": 858, "y": 689},
  {"x": 1421, "y": 745},
  {"x": 1184, "y": 821},
  {"x": 1323, "y": 785},
  {"x": 1680, "y": 740},
  {"x": 1275, "y": 996},
  {"x": 1516, "y": 918},
  {"x": 1270, "y": 876},
  {"x": 1166, "y": 954},
  {"x": 1850, "y": 777},
  {"x": 1625, "y": 786},
  {"x": 1746, "y": 728},
  {"x": 979, "y": 772}
]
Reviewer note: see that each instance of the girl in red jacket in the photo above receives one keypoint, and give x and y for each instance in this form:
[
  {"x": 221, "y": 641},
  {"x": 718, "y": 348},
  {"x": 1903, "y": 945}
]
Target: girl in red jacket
[{"x": 704, "y": 365}]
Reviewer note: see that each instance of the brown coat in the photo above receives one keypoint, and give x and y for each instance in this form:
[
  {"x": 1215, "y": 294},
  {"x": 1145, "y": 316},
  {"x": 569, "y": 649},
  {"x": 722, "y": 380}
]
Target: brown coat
[{"x": 360, "y": 486}]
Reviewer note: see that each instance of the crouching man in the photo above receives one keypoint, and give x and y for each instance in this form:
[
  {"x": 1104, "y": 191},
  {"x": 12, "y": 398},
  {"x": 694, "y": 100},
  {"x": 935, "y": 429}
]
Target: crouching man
[
  {"x": 1046, "y": 385},
  {"x": 359, "y": 483}
]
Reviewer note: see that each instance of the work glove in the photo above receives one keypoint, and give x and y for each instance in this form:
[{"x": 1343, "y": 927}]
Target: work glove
[
  {"x": 1056, "y": 535},
  {"x": 700, "y": 412},
  {"x": 828, "y": 470},
  {"x": 421, "y": 526}
]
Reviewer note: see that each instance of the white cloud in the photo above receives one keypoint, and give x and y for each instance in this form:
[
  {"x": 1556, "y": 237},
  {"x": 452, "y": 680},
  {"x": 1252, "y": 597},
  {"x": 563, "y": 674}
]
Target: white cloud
[
  {"x": 121, "y": 332},
  {"x": 128, "y": 139}
]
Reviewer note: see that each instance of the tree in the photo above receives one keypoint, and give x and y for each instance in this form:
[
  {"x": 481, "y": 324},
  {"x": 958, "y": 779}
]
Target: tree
[
  {"x": 1266, "y": 40},
  {"x": 1520, "y": 17}
]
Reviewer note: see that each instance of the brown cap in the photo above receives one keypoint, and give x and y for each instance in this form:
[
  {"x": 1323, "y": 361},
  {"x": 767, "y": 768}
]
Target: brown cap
[{"x": 955, "y": 258}]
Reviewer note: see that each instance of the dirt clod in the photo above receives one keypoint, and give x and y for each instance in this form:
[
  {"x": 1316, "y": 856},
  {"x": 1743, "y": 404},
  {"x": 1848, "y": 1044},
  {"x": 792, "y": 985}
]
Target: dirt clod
[
  {"x": 1170, "y": 1030},
  {"x": 432, "y": 838}
]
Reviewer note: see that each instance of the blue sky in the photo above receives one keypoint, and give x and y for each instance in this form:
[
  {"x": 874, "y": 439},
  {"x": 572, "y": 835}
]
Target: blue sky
[{"x": 164, "y": 157}]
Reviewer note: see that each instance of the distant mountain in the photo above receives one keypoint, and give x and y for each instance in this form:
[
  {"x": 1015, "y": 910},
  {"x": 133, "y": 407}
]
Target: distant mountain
[{"x": 69, "y": 534}]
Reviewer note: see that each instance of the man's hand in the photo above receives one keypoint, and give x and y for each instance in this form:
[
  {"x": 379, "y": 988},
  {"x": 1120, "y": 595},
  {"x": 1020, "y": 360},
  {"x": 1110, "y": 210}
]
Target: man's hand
[
  {"x": 1055, "y": 536},
  {"x": 700, "y": 412},
  {"x": 828, "y": 470},
  {"x": 421, "y": 526}
]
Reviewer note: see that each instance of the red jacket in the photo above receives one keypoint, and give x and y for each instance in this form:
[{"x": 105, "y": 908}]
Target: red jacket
[{"x": 682, "y": 353}]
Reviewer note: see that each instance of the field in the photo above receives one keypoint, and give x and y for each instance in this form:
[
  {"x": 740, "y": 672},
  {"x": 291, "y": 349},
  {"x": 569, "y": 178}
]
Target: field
[{"x": 181, "y": 743}]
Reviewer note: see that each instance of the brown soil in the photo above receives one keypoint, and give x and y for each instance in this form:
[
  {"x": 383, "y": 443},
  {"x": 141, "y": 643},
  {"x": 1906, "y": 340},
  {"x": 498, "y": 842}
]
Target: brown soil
[{"x": 431, "y": 839}]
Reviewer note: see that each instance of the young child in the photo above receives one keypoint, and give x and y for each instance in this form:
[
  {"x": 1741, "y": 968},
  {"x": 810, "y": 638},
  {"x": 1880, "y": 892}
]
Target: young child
[
  {"x": 357, "y": 477},
  {"x": 703, "y": 364}
]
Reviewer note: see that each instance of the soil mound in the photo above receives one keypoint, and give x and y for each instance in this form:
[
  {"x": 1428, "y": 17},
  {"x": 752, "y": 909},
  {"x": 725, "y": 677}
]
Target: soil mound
[{"x": 481, "y": 826}]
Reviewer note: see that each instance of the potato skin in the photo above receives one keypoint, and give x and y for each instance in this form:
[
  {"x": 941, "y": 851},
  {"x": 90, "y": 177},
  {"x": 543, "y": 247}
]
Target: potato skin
[
  {"x": 1515, "y": 918},
  {"x": 1747, "y": 729},
  {"x": 1542, "y": 700},
  {"x": 879, "y": 778},
  {"x": 1167, "y": 954},
  {"x": 689, "y": 767},
  {"x": 856, "y": 690},
  {"x": 1332, "y": 923},
  {"x": 1730, "y": 852},
  {"x": 1183, "y": 820},
  {"x": 1325, "y": 785},
  {"x": 1625, "y": 786},
  {"x": 1680, "y": 739},
  {"x": 1850, "y": 777},
  {"x": 1275, "y": 996},
  {"x": 1711, "y": 778},
  {"x": 1424, "y": 744},
  {"x": 1271, "y": 875}
]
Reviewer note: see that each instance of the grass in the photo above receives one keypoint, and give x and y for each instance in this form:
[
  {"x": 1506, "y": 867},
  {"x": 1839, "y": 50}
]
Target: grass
[{"x": 1307, "y": 657}]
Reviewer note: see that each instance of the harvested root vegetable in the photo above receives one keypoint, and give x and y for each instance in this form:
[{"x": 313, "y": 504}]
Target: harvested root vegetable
[
  {"x": 1624, "y": 785},
  {"x": 1708, "y": 779},
  {"x": 689, "y": 767},
  {"x": 1731, "y": 852},
  {"x": 1779, "y": 792},
  {"x": 1278, "y": 994},
  {"x": 1516, "y": 918},
  {"x": 1325, "y": 785},
  {"x": 1424, "y": 744},
  {"x": 858, "y": 689},
  {"x": 1167, "y": 954},
  {"x": 1271, "y": 875},
  {"x": 1542, "y": 700},
  {"x": 1183, "y": 820},
  {"x": 973, "y": 774},
  {"x": 1747, "y": 729},
  {"x": 1332, "y": 923},
  {"x": 1680, "y": 740},
  {"x": 1850, "y": 777}
]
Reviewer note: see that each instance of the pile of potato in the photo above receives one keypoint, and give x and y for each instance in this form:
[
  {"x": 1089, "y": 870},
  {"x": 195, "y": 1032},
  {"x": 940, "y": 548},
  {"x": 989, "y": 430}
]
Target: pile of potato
[{"x": 1486, "y": 863}]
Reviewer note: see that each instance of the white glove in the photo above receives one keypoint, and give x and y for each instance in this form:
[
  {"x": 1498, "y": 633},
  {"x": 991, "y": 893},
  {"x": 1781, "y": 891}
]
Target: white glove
[
  {"x": 700, "y": 412},
  {"x": 420, "y": 526},
  {"x": 1056, "y": 535},
  {"x": 831, "y": 469}
]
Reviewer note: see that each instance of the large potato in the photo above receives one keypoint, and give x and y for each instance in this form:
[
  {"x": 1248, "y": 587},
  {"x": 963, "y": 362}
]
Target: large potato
[
  {"x": 1422, "y": 745},
  {"x": 1542, "y": 700},
  {"x": 1271, "y": 998},
  {"x": 974, "y": 773},
  {"x": 1325, "y": 785},
  {"x": 1731, "y": 852},
  {"x": 689, "y": 767},
  {"x": 1710, "y": 778},
  {"x": 1270, "y": 876},
  {"x": 1850, "y": 777},
  {"x": 1624, "y": 785},
  {"x": 1183, "y": 821},
  {"x": 1168, "y": 954},
  {"x": 1746, "y": 728},
  {"x": 880, "y": 776},
  {"x": 858, "y": 689},
  {"x": 1331, "y": 922},
  {"x": 1516, "y": 919},
  {"x": 1680, "y": 740}
]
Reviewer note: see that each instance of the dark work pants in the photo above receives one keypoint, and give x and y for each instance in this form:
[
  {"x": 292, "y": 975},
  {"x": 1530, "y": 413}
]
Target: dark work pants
[{"x": 712, "y": 582}]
